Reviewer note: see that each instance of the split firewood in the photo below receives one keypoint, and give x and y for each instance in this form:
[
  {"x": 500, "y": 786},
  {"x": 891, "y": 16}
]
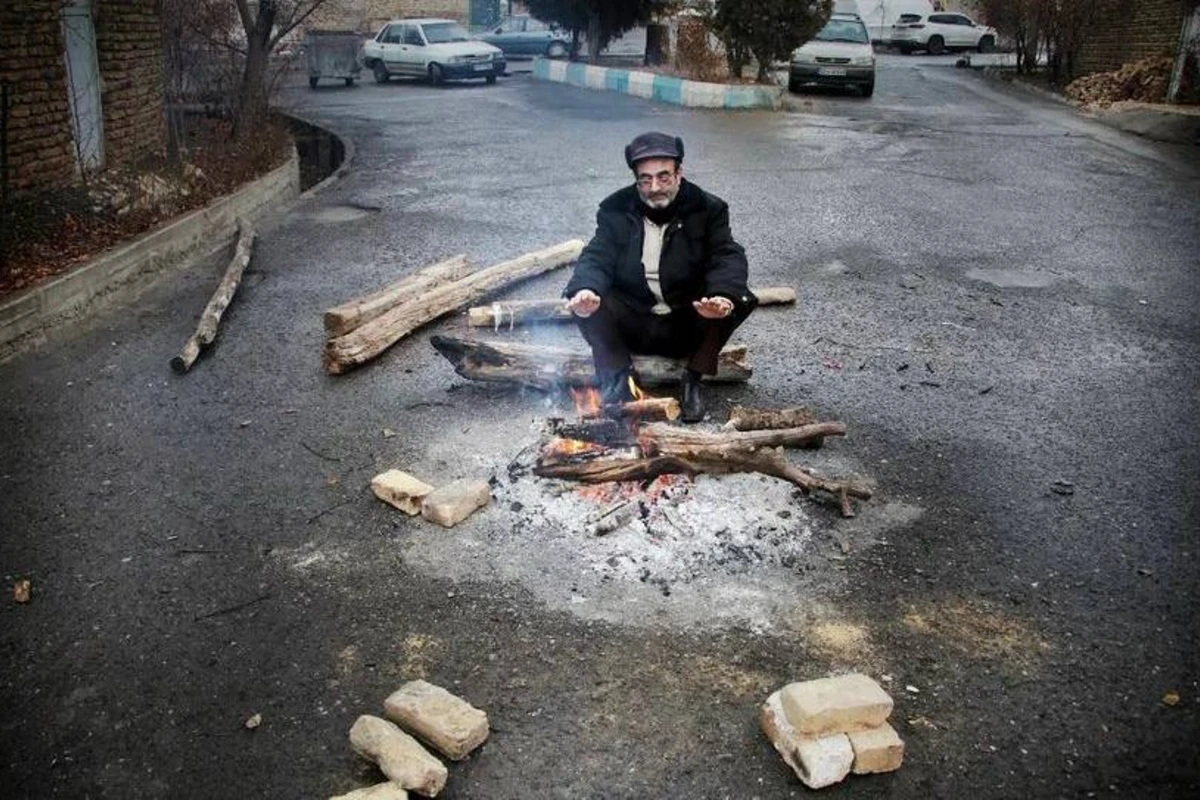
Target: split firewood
[
  {"x": 647, "y": 409},
  {"x": 744, "y": 418},
  {"x": 606, "y": 432},
  {"x": 369, "y": 340},
  {"x": 206, "y": 330},
  {"x": 342, "y": 319},
  {"x": 547, "y": 368},
  {"x": 678, "y": 441},
  {"x": 511, "y": 313}
]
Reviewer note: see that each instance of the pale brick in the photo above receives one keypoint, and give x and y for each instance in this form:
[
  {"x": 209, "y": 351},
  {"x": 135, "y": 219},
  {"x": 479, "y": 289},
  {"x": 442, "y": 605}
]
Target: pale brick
[
  {"x": 399, "y": 756},
  {"x": 449, "y": 723},
  {"x": 380, "y": 791},
  {"x": 836, "y": 705},
  {"x": 818, "y": 761},
  {"x": 400, "y": 490},
  {"x": 877, "y": 750},
  {"x": 454, "y": 502}
]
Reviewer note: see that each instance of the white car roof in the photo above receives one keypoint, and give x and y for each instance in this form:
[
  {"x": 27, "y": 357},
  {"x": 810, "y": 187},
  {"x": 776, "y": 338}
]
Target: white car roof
[{"x": 421, "y": 21}]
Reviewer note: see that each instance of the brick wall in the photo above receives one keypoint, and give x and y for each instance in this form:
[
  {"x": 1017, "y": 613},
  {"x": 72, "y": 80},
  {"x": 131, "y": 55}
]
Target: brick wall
[
  {"x": 40, "y": 149},
  {"x": 368, "y": 16},
  {"x": 1138, "y": 29},
  {"x": 129, "y": 49}
]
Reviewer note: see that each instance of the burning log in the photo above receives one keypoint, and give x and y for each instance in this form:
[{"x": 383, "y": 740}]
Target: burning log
[
  {"x": 342, "y": 319},
  {"x": 206, "y": 330},
  {"x": 546, "y": 368},
  {"x": 606, "y": 432},
  {"x": 364, "y": 343},
  {"x": 743, "y": 418},
  {"x": 511, "y": 313},
  {"x": 646, "y": 409},
  {"x": 603, "y": 470},
  {"x": 680, "y": 441}
]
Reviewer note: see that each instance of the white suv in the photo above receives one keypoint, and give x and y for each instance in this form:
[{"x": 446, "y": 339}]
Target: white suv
[
  {"x": 938, "y": 33},
  {"x": 437, "y": 49}
]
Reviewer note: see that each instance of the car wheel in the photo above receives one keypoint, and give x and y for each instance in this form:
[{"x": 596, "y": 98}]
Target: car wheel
[
  {"x": 491, "y": 79},
  {"x": 987, "y": 44},
  {"x": 436, "y": 76},
  {"x": 556, "y": 50},
  {"x": 349, "y": 81},
  {"x": 380, "y": 72},
  {"x": 936, "y": 46},
  {"x": 312, "y": 83},
  {"x": 905, "y": 50},
  {"x": 867, "y": 89}
]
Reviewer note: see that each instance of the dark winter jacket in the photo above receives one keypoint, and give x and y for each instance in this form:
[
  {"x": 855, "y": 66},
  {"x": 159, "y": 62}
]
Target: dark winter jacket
[{"x": 699, "y": 256}]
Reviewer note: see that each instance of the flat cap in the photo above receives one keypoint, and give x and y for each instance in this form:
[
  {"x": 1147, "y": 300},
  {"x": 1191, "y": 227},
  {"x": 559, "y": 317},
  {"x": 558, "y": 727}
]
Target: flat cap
[{"x": 653, "y": 145}]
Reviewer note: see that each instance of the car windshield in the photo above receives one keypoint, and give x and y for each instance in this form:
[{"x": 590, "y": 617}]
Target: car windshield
[
  {"x": 839, "y": 30},
  {"x": 439, "y": 32}
]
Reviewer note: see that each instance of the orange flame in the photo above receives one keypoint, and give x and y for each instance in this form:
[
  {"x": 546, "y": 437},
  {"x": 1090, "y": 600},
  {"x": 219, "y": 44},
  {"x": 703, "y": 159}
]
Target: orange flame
[
  {"x": 587, "y": 401},
  {"x": 561, "y": 448},
  {"x": 636, "y": 390}
]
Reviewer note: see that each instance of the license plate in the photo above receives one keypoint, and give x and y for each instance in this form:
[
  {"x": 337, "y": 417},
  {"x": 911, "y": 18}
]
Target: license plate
[
  {"x": 832, "y": 71},
  {"x": 482, "y": 67}
]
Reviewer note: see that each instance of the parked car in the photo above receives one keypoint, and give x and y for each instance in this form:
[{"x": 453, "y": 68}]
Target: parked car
[
  {"x": 839, "y": 55},
  {"x": 937, "y": 33},
  {"x": 522, "y": 35},
  {"x": 437, "y": 49}
]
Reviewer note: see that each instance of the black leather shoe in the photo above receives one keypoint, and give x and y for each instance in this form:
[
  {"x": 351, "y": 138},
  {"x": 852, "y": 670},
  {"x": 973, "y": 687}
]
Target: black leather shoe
[
  {"x": 691, "y": 404},
  {"x": 614, "y": 389}
]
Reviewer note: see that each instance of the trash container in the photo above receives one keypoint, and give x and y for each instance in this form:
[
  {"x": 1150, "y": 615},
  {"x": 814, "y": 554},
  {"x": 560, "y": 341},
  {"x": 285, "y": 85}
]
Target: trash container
[{"x": 333, "y": 55}]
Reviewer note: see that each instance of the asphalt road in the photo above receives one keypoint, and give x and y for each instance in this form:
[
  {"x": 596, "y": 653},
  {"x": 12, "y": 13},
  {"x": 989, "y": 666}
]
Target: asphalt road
[{"x": 998, "y": 297}]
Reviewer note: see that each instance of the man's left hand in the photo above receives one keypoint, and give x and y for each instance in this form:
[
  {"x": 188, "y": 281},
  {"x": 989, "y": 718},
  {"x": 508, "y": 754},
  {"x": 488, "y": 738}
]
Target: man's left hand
[{"x": 713, "y": 307}]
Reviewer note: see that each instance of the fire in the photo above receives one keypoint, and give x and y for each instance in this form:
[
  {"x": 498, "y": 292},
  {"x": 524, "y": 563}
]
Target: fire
[
  {"x": 564, "y": 448},
  {"x": 636, "y": 390},
  {"x": 587, "y": 401}
]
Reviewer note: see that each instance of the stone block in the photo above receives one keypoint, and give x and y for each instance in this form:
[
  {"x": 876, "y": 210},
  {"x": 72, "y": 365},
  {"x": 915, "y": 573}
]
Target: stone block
[
  {"x": 454, "y": 502},
  {"x": 400, "y": 490},
  {"x": 877, "y": 750},
  {"x": 818, "y": 761},
  {"x": 449, "y": 723},
  {"x": 380, "y": 791},
  {"x": 840, "y": 704},
  {"x": 399, "y": 756}
]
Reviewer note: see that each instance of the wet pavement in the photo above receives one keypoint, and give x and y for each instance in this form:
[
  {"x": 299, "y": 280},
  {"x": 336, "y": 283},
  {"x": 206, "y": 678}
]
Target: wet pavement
[{"x": 996, "y": 296}]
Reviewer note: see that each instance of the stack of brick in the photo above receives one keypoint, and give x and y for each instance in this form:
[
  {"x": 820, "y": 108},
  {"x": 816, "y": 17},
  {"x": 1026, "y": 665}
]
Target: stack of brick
[
  {"x": 449, "y": 724},
  {"x": 827, "y": 728},
  {"x": 40, "y": 149}
]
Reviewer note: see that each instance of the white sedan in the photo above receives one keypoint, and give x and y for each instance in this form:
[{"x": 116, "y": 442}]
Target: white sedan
[
  {"x": 938, "y": 33},
  {"x": 436, "y": 49}
]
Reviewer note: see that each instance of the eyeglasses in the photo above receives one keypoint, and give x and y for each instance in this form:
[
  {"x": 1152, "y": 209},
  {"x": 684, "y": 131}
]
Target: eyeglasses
[{"x": 665, "y": 178}]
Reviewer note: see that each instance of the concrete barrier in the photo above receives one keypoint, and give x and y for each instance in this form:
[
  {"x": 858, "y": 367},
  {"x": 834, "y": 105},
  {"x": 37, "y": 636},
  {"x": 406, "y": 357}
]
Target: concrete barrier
[
  {"x": 27, "y": 313},
  {"x": 664, "y": 88}
]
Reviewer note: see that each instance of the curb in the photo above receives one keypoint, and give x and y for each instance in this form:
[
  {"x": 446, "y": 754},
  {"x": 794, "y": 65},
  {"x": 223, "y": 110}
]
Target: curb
[
  {"x": 664, "y": 88},
  {"x": 28, "y": 313}
]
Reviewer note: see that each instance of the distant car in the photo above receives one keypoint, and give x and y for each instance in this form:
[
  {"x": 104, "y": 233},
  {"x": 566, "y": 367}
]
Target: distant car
[
  {"x": 839, "y": 55},
  {"x": 437, "y": 49},
  {"x": 938, "y": 33},
  {"x": 522, "y": 35}
]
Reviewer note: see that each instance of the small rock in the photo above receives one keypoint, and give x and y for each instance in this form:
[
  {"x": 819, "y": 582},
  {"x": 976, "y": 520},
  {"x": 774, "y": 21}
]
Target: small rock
[
  {"x": 401, "y": 490},
  {"x": 1171, "y": 698},
  {"x": 911, "y": 281},
  {"x": 253, "y": 722},
  {"x": 454, "y": 502},
  {"x": 388, "y": 433},
  {"x": 22, "y": 591},
  {"x": 449, "y": 723}
]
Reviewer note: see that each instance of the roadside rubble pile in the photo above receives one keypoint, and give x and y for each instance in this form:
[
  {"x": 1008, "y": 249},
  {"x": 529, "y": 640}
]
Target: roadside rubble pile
[
  {"x": 827, "y": 728},
  {"x": 445, "y": 722},
  {"x": 1143, "y": 81}
]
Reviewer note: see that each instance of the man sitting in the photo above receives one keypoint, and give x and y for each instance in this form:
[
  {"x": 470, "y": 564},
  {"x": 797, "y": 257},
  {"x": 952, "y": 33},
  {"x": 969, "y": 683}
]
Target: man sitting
[{"x": 662, "y": 275}]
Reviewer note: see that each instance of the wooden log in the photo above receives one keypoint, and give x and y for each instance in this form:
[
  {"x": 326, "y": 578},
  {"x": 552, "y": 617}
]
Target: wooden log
[
  {"x": 672, "y": 439},
  {"x": 369, "y": 340},
  {"x": 511, "y": 313},
  {"x": 647, "y": 409},
  {"x": 547, "y": 368},
  {"x": 206, "y": 330},
  {"x": 342, "y": 319},
  {"x": 604, "y": 470},
  {"x": 744, "y": 418}
]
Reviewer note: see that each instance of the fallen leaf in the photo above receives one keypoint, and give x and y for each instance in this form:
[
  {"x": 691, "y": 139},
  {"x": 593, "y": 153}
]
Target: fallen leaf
[
  {"x": 253, "y": 722},
  {"x": 1171, "y": 698},
  {"x": 22, "y": 590}
]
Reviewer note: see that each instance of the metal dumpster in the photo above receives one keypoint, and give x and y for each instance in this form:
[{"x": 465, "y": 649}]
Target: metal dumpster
[{"x": 333, "y": 55}]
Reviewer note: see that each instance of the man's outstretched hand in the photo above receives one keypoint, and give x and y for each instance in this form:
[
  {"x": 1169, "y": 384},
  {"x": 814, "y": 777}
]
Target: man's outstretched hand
[
  {"x": 584, "y": 303},
  {"x": 713, "y": 307}
]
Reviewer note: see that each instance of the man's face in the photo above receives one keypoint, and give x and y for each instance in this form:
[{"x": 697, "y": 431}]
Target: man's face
[{"x": 657, "y": 181}]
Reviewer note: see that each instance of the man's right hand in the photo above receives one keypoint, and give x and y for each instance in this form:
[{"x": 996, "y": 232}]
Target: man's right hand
[{"x": 584, "y": 303}]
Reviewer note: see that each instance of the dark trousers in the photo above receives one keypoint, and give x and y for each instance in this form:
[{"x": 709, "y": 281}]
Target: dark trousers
[{"x": 618, "y": 330}]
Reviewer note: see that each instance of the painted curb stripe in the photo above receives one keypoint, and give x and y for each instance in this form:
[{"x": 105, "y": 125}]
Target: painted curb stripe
[{"x": 649, "y": 85}]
